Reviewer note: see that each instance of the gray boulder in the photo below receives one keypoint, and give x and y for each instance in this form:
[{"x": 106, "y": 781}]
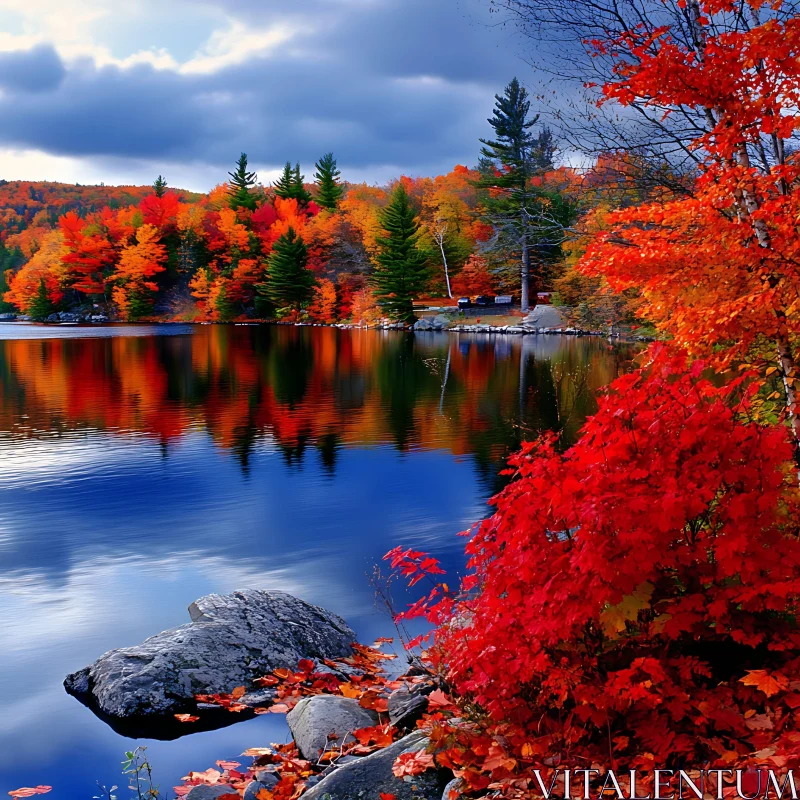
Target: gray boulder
[
  {"x": 368, "y": 777},
  {"x": 264, "y": 780},
  {"x": 314, "y": 718},
  {"x": 407, "y": 705},
  {"x": 231, "y": 640},
  {"x": 205, "y": 791},
  {"x": 544, "y": 317}
]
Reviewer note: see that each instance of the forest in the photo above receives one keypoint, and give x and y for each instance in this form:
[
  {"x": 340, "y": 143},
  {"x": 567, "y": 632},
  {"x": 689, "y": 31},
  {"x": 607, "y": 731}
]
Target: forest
[{"x": 323, "y": 251}]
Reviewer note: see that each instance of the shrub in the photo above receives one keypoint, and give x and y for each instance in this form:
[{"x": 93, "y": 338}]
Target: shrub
[{"x": 632, "y": 601}]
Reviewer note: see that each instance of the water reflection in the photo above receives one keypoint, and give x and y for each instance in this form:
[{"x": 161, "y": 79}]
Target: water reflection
[
  {"x": 300, "y": 388},
  {"x": 139, "y": 473}
]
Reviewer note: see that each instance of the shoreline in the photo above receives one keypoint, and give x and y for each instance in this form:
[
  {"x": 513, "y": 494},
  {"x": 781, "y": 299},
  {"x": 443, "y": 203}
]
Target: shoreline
[{"x": 493, "y": 330}]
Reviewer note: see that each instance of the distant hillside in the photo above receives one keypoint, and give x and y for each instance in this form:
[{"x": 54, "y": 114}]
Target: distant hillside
[{"x": 21, "y": 201}]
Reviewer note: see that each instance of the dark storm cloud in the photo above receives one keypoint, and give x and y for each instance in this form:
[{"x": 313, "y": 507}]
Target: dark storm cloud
[
  {"x": 34, "y": 70},
  {"x": 407, "y": 83}
]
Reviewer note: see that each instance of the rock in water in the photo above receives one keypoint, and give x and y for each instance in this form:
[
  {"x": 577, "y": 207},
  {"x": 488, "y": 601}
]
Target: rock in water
[
  {"x": 369, "y": 777},
  {"x": 231, "y": 640},
  {"x": 318, "y": 722}
]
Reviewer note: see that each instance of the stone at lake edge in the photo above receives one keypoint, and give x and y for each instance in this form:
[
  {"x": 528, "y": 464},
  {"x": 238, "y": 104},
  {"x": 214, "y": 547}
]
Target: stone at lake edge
[
  {"x": 407, "y": 705},
  {"x": 231, "y": 640},
  {"x": 544, "y": 316},
  {"x": 205, "y": 792},
  {"x": 368, "y": 777},
  {"x": 313, "y": 718},
  {"x": 264, "y": 780}
]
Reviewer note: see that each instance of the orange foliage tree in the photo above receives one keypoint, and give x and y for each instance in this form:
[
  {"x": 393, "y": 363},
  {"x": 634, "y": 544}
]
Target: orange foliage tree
[
  {"x": 718, "y": 269},
  {"x": 323, "y": 304},
  {"x": 46, "y": 265},
  {"x": 365, "y": 309},
  {"x": 138, "y": 263},
  {"x": 360, "y": 206}
]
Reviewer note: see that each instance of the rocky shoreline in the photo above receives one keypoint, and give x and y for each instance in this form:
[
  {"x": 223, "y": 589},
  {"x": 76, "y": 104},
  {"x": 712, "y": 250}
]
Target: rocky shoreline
[
  {"x": 231, "y": 641},
  {"x": 436, "y": 324}
]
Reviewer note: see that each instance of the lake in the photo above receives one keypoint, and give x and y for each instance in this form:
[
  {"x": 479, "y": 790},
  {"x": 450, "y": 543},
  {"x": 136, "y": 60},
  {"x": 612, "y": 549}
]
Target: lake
[{"x": 143, "y": 466}]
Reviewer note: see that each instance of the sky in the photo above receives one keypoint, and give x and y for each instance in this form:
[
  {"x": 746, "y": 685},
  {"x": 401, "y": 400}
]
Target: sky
[{"x": 119, "y": 91}]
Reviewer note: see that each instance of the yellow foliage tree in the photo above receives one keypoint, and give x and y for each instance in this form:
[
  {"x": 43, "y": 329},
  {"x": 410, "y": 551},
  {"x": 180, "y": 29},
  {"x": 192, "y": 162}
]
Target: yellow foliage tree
[
  {"x": 45, "y": 265},
  {"x": 139, "y": 261}
]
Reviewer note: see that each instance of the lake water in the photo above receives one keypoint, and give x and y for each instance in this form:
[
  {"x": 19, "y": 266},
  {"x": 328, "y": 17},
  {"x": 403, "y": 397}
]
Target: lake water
[{"x": 142, "y": 467}]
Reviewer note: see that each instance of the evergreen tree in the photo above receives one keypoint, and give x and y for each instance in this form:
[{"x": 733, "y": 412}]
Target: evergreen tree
[
  {"x": 140, "y": 304},
  {"x": 526, "y": 216},
  {"x": 241, "y": 182},
  {"x": 329, "y": 190},
  {"x": 284, "y": 185},
  {"x": 224, "y": 307},
  {"x": 401, "y": 272},
  {"x": 289, "y": 283},
  {"x": 300, "y": 191},
  {"x": 41, "y": 307},
  {"x": 4, "y": 306},
  {"x": 9, "y": 260},
  {"x": 159, "y": 186},
  {"x": 544, "y": 150},
  {"x": 290, "y": 184}
]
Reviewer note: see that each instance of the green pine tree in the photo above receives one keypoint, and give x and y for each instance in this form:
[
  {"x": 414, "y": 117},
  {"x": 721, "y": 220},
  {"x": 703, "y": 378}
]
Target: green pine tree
[
  {"x": 290, "y": 184},
  {"x": 224, "y": 307},
  {"x": 300, "y": 192},
  {"x": 401, "y": 272},
  {"x": 159, "y": 186},
  {"x": 531, "y": 220},
  {"x": 289, "y": 283},
  {"x": 241, "y": 182},
  {"x": 41, "y": 307},
  {"x": 4, "y": 306},
  {"x": 329, "y": 190},
  {"x": 10, "y": 260},
  {"x": 284, "y": 185}
]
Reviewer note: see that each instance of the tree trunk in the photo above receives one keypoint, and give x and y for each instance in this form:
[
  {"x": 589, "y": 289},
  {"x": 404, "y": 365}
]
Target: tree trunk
[
  {"x": 446, "y": 271},
  {"x": 788, "y": 369},
  {"x": 525, "y": 272},
  {"x": 749, "y": 205}
]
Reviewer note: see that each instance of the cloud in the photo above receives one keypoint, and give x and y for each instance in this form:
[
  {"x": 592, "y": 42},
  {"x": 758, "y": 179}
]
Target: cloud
[
  {"x": 402, "y": 85},
  {"x": 235, "y": 46},
  {"x": 36, "y": 70}
]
